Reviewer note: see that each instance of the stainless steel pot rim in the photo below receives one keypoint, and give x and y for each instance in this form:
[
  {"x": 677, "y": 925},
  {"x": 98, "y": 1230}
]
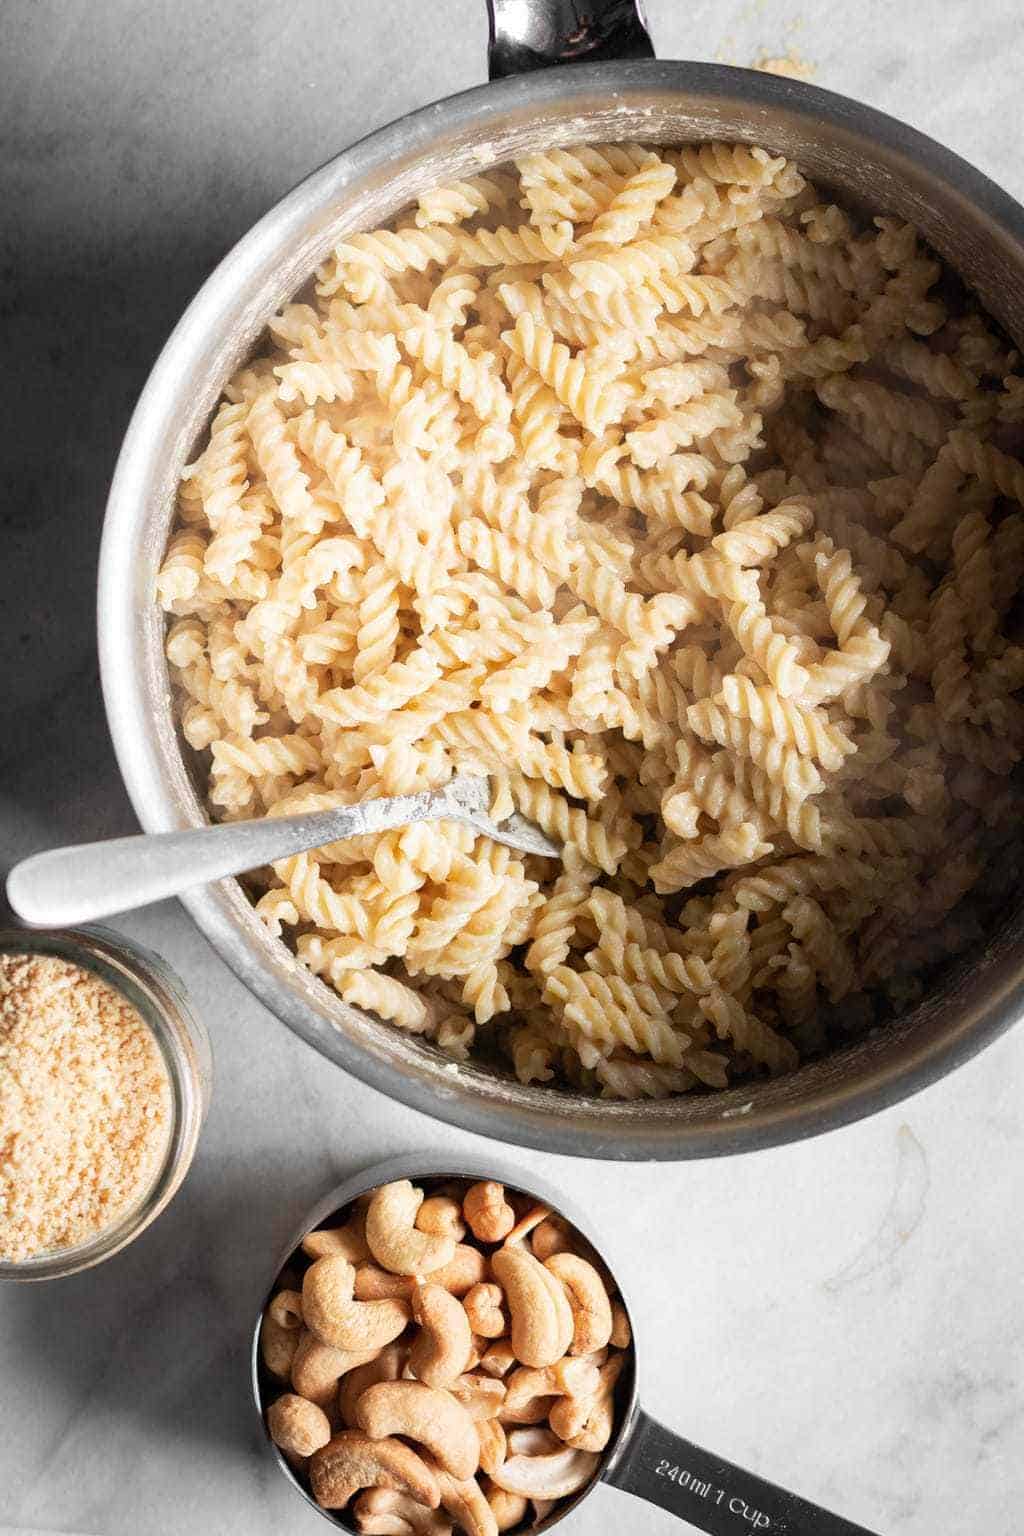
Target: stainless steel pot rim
[{"x": 571, "y": 1124}]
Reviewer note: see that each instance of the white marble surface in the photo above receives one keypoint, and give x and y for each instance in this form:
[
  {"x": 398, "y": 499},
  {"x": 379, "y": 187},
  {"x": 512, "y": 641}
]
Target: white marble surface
[{"x": 845, "y": 1315}]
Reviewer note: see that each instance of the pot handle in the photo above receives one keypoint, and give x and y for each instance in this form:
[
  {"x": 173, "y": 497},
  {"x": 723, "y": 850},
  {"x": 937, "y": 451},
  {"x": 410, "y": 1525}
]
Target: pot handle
[
  {"x": 712, "y": 1494},
  {"x": 533, "y": 34}
]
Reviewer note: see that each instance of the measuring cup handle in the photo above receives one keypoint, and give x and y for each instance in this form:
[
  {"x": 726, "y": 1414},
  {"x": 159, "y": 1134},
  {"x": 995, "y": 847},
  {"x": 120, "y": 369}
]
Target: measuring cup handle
[
  {"x": 712, "y": 1494},
  {"x": 533, "y": 34}
]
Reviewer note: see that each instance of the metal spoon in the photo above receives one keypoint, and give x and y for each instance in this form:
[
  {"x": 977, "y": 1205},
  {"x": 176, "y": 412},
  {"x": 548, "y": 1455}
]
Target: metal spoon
[{"x": 78, "y": 884}]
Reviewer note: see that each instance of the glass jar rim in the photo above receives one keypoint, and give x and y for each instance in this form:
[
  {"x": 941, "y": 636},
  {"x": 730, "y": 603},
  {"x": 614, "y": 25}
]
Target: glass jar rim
[{"x": 149, "y": 984}]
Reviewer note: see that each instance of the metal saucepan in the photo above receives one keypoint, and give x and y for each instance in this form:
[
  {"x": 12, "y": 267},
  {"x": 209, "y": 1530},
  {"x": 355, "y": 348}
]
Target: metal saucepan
[
  {"x": 854, "y": 150},
  {"x": 643, "y": 1457}
]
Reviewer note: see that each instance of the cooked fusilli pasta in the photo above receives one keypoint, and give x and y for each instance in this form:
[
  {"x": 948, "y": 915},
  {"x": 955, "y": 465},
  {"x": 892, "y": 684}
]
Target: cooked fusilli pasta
[{"x": 672, "y": 498}]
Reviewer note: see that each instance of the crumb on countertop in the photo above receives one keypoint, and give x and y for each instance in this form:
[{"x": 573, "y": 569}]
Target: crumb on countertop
[{"x": 788, "y": 64}]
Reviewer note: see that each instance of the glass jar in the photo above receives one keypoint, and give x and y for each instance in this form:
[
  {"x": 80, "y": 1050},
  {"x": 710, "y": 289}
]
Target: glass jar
[{"x": 149, "y": 984}]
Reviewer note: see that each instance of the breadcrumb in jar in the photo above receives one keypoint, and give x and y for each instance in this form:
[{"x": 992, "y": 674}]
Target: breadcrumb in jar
[{"x": 85, "y": 1105}]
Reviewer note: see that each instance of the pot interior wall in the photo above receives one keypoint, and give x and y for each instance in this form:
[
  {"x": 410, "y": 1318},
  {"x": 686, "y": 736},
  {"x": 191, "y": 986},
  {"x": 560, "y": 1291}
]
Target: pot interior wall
[{"x": 224, "y": 325}]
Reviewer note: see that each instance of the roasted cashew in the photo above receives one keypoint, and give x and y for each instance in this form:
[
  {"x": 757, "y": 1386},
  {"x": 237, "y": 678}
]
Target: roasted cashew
[
  {"x": 476, "y": 1352},
  {"x": 532, "y": 1441},
  {"x": 499, "y": 1359},
  {"x": 481, "y": 1396},
  {"x": 493, "y": 1444},
  {"x": 465, "y": 1502},
  {"x": 277, "y": 1347},
  {"x": 375, "y": 1284},
  {"x": 621, "y": 1333},
  {"x": 563, "y": 1310},
  {"x": 485, "y": 1309},
  {"x": 533, "y": 1412},
  {"x": 347, "y": 1242},
  {"x": 421, "y": 1413},
  {"x": 395, "y": 1240},
  {"x": 587, "y": 1424},
  {"x": 286, "y": 1310},
  {"x": 525, "y": 1225},
  {"x": 549, "y": 1475},
  {"x": 466, "y": 1269},
  {"x": 590, "y": 1303},
  {"x": 337, "y": 1319},
  {"x": 541, "y": 1319},
  {"x": 384, "y": 1512},
  {"x": 443, "y": 1346},
  {"x": 441, "y": 1215},
  {"x": 529, "y": 1390},
  {"x": 297, "y": 1425},
  {"x": 508, "y": 1509},
  {"x": 488, "y": 1213},
  {"x": 317, "y": 1369},
  {"x": 387, "y": 1366},
  {"x": 351, "y": 1461},
  {"x": 551, "y": 1236}
]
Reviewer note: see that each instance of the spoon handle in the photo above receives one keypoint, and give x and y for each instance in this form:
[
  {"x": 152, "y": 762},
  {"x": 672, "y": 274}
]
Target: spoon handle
[
  {"x": 711, "y": 1494},
  {"x": 79, "y": 884}
]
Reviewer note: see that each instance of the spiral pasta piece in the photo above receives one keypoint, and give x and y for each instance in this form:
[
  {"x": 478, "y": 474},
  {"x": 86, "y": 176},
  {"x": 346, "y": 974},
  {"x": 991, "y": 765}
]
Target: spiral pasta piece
[
  {"x": 628, "y": 1077},
  {"x": 673, "y": 973},
  {"x": 553, "y": 814},
  {"x": 538, "y": 414},
  {"x": 690, "y": 862},
  {"x": 462, "y": 200},
  {"x": 182, "y": 570},
  {"x": 531, "y": 670},
  {"x": 554, "y": 927},
  {"x": 732, "y": 1022},
  {"x": 824, "y": 948},
  {"x": 779, "y": 761},
  {"x": 468, "y": 377},
  {"x": 517, "y": 567},
  {"x": 664, "y": 493},
  {"x": 841, "y": 589},
  {"x": 383, "y": 995},
  {"x": 379, "y": 695},
  {"x": 730, "y": 163},
  {"x": 864, "y": 654},
  {"x": 610, "y": 314},
  {"x": 356, "y": 489},
  {"x": 600, "y": 1016},
  {"x": 633, "y": 205},
  {"x": 947, "y": 640},
  {"x": 987, "y": 464},
  {"x": 657, "y": 439},
  {"x": 773, "y": 652},
  {"x": 650, "y": 623},
  {"x": 808, "y": 730},
  {"x": 756, "y": 540},
  {"x": 378, "y": 631},
  {"x": 586, "y": 394}
]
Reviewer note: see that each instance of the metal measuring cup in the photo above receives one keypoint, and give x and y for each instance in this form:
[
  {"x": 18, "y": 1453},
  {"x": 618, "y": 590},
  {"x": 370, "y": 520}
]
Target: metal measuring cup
[{"x": 643, "y": 1457}]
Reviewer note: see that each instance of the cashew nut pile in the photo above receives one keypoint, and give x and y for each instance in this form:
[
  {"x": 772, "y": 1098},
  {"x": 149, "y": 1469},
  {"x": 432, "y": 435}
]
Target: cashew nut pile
[{"x": 449, "y": 1361}]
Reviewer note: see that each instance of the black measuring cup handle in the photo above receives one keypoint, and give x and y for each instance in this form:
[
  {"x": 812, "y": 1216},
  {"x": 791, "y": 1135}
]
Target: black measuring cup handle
[{"x": 714, "y": 1496}]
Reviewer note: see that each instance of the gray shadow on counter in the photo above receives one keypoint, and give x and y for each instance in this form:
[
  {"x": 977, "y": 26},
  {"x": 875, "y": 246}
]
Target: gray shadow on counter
[
  {"x": 161, "y": 1333},
  {"x": 80, "y": 343}
]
